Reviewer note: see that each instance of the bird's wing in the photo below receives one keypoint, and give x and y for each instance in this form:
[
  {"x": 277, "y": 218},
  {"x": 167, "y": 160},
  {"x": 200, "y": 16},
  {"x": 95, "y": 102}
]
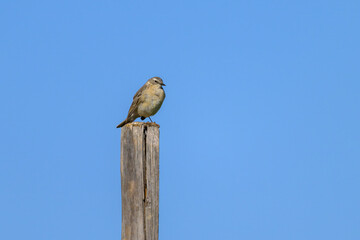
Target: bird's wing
[
  {"x": 136, "y": 101},
  {"x": 133, "y": 107},
  {"x": 139, "y": 92}
]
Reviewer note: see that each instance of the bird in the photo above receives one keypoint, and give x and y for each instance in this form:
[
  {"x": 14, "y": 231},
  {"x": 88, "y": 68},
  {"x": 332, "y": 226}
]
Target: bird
[{"x": 146, "y": 101}]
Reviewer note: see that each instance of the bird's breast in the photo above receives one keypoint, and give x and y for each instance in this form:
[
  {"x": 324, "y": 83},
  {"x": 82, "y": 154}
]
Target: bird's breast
[{"x": 152, "y": 100}]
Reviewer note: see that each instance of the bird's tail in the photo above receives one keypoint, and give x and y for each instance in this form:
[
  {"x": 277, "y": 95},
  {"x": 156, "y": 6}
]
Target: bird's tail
[{"x": 123, "y": 123}]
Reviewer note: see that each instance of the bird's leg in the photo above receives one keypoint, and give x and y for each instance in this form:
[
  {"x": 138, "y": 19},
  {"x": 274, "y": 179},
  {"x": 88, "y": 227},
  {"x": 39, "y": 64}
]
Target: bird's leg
[{"x": 150, "y": 119}]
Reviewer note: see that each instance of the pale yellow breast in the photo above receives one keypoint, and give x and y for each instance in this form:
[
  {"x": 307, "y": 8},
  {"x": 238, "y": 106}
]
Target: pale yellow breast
[{"x": 151, "y": 101}]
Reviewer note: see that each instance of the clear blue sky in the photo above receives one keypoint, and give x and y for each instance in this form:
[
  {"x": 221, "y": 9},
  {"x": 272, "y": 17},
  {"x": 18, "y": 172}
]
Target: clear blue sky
[{"x": 260, "y": 135}]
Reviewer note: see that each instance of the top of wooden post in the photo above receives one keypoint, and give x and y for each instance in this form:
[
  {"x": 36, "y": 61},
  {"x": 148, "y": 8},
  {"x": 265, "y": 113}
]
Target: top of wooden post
[{"x": 139, "y": 124}]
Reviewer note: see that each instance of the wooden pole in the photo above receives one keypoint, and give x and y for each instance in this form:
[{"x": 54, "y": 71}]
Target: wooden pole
[{"x": 140, "y": 181}]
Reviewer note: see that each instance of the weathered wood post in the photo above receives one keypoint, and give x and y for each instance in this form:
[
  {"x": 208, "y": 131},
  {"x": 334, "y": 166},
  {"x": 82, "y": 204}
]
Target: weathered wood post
[{"x": 140, "y": 181}]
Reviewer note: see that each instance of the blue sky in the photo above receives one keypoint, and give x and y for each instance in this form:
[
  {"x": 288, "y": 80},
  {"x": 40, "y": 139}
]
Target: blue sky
[{"x": 259, "y": 130}]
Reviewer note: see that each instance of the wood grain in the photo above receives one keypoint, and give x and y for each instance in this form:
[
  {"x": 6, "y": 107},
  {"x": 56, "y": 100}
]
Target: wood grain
[{"x": 140, "y": 181}]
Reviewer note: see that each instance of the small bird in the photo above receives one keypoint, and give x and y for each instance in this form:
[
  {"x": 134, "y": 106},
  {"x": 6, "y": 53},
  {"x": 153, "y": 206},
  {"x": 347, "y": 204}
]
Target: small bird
[{"x": 146, "y": 101}]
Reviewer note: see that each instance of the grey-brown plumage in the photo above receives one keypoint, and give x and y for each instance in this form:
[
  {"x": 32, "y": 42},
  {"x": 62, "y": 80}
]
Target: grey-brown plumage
[{"x": 146, "y": 101}]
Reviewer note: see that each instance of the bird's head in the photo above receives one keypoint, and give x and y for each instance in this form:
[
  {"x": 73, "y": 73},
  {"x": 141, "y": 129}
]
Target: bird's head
[{"x": 156, "y": 81}]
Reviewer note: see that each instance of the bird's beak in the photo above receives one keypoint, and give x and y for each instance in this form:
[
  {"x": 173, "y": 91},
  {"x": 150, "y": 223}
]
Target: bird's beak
[{"x": 163, "y": 84}]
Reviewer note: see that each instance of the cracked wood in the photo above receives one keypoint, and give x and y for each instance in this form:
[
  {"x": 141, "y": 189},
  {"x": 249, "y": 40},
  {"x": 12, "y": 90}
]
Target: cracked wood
[{"x": 140, "y": 181}]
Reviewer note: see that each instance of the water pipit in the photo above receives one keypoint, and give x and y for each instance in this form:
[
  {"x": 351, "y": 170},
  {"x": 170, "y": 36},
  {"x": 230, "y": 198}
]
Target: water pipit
[{"x": 147, "y": 101}]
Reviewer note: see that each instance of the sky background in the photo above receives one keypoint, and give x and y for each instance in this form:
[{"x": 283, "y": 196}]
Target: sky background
[{"x": 259, "y": 137}]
